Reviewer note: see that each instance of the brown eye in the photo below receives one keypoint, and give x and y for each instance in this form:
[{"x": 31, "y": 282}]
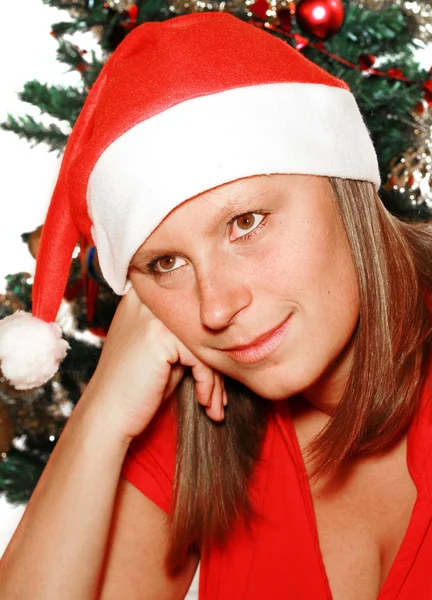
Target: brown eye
[
  {"x": 167, "y": 264},
  {"x": 246, "y": 221},
  {"x": 244, "y": 225}
]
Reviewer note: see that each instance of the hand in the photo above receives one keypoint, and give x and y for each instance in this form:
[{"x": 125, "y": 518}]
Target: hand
[{"x": 141, "y": 364}]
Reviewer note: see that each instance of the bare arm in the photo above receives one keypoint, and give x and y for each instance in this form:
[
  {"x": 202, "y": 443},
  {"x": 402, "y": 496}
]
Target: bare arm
[
  {"x": 58, "y": 550},
  {"x": 134, "y": 566},
  {"x": 59, "y": 545}
]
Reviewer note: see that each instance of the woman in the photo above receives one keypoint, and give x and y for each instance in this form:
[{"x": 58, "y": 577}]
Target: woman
[{"x": 266, "y": 267}]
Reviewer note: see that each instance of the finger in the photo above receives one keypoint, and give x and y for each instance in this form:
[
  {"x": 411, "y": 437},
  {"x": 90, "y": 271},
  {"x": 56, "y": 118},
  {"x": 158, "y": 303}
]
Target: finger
[
  {"x": 216, "y": 411},
  {"x": 204, "y": 383},
  {"x": 223, "y": 390}
]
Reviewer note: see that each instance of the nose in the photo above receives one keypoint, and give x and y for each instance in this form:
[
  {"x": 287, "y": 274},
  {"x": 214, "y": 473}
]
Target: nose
[{"x": 222, "y": 297}]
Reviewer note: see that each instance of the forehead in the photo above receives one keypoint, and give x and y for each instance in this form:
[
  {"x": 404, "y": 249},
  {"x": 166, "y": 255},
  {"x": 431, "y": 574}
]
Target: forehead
[{"x": 239, "y": 195}]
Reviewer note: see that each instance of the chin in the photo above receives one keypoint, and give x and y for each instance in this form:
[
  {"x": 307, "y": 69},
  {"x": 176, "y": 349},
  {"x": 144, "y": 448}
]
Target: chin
[
  {"x": 274, "y": 395},
  {"x": 275, "y": 384},
  {"x": 274, "y": 392}
]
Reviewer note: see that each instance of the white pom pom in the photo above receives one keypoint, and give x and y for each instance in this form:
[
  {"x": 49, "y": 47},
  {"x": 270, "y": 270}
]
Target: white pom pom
[{"x": 30, "y": 350}]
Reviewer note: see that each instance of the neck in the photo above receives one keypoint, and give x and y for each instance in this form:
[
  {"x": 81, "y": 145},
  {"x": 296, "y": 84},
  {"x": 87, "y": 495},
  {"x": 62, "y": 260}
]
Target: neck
[{"x": 326, "y": 392}]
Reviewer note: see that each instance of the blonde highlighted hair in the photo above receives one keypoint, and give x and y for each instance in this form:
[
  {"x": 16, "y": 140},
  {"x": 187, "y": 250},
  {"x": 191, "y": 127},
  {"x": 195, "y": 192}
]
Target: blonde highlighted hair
[{"x": 215, "y": 460}]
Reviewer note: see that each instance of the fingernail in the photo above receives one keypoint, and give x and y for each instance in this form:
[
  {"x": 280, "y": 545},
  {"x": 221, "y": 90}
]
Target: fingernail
[{"x": 225, "y": 399}]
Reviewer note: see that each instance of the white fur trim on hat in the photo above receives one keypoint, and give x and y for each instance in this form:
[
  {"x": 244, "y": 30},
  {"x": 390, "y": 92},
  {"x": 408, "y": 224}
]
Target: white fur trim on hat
[
  {"x": 210, "y": 140},
  {"x": 30, "y": 350}
]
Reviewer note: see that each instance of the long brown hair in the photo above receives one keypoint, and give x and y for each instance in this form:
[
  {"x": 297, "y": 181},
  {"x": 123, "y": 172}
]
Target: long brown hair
[{"x": 215, "y": 460}]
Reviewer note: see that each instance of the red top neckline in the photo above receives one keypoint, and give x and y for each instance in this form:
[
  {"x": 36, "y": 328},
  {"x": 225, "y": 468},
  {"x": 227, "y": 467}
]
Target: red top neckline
[{"x": 419, "y": 452}]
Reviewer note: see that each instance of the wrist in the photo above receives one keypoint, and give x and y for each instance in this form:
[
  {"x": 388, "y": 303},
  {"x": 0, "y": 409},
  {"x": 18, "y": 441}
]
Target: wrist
[{"x": 93, "y": 410}]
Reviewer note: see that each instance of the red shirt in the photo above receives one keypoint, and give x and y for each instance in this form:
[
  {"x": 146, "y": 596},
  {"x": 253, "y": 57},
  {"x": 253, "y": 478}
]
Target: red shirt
[{"x": 281, "y": 558}]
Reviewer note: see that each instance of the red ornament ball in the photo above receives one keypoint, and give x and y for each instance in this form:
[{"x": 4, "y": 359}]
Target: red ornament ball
[
  {"x": 321, "y": 18},
  {"x": 259, "y": 9}
]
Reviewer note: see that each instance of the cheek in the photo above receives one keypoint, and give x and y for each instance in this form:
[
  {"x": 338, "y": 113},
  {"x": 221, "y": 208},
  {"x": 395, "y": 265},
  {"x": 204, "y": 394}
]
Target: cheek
[
  {"x": 313, "y": 268},
  {"x": 321, "y": 260},
  {"x": 333, "y": 305},
  {"x": 176, "y": 310},
  {"x": 292, "y": 262},
  {"x": 339, "y": 278}
]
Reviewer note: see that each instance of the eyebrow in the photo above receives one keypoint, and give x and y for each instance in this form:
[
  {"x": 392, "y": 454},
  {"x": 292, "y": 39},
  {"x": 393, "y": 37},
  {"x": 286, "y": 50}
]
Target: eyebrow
[
  {"x": 143, "y": 257},
  {"x": 236, "y": 203}
]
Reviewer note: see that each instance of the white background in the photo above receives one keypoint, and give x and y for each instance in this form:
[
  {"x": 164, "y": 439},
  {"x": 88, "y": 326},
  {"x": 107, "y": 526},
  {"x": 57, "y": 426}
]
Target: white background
[{"x": 27, "y": 51}]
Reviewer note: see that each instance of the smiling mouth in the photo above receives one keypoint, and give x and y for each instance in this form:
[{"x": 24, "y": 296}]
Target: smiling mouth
[{"x": 261, "y": 347}]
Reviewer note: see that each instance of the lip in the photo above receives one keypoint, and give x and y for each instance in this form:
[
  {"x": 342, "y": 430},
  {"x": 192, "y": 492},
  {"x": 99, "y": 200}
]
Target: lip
[{"x": 261, "y": 347}]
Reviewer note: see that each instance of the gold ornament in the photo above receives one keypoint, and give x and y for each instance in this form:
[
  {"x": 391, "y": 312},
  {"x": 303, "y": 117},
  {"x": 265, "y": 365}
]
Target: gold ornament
[
  {"x": 373, "y": 5},
  {"x": 422, "y": 14},
  {"x": 411, "y": 173},
  {"x": 191, "y": 6}
]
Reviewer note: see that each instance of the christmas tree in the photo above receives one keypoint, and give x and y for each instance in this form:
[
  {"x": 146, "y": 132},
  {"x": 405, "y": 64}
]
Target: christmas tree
[{"x": 372, "y": 45}]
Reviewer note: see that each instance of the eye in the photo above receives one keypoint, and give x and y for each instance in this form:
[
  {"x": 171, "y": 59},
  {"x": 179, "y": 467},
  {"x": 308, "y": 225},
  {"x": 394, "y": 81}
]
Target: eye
[
  {"x": 166, "y": 264},
  {"x": 244, "y": 224}
]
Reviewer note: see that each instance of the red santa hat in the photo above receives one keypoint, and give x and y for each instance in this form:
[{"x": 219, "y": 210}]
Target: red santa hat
[{"x": 179, "y": 108}]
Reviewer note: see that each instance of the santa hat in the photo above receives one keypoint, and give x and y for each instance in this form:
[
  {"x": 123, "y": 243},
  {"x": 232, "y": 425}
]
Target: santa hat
[{"x": 179, "y": 108}]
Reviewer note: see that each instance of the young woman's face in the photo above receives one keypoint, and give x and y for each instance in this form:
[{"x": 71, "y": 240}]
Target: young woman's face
[{"x": 256, "y": 279}]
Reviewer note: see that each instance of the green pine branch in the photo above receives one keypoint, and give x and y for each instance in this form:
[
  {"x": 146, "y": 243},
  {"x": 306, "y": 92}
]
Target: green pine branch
[
  {"x": 68, "y": 27},
  {"x": 86, "y": 21},
  {"x": 374, "y": 31},
  {"x": 63, "y": 103},
  {"x": 70, "y": 55},
  {"x": 35, "y": 132}
]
